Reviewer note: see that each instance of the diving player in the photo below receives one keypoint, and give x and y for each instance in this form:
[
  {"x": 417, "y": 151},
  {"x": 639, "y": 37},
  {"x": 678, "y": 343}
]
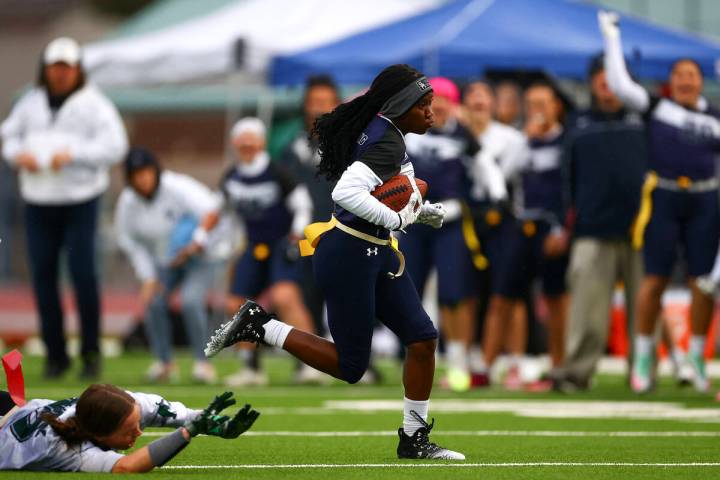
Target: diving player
[{"x": 83, "y": 434}]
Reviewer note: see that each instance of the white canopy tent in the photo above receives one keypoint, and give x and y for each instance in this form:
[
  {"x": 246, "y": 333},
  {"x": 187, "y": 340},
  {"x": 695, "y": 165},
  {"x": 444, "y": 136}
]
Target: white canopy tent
[{"x": 244, "y": 34}]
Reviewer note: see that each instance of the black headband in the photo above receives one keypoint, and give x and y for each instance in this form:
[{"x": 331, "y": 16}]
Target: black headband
[{"x": 403, "y": 101}]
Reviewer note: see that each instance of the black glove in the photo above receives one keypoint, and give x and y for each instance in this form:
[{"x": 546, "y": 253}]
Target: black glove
[
  {"x": 234, "y": 427},
  {"x": 209, "y": 418}
]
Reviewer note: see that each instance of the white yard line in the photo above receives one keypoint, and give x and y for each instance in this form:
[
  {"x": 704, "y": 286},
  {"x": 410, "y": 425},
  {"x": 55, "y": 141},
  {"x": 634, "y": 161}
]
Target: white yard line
[
  {"x": 471, "y": 433},
  {"x": 443, "y": 465}
]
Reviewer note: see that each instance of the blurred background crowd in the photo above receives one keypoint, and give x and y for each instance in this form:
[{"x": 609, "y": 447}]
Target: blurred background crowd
[{"x": 159, "y": 162}]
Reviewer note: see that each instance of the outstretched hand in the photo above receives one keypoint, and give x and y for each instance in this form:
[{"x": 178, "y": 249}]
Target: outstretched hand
[
  {"x": 608, "y": 22},
  {"x": 209, "y": 418},
  {"x": 234, "y": 427}
]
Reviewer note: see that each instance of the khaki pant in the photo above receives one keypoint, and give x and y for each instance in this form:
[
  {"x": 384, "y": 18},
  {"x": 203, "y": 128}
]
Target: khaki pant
[{"x": 595, "y": 267}]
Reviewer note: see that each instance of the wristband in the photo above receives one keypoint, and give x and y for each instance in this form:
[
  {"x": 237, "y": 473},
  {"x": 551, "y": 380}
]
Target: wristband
[{"x": 165, "y": 448}]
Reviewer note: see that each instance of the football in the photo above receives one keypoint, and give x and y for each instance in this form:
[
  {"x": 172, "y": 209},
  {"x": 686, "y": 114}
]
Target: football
[{"x": 395, "y": 193}]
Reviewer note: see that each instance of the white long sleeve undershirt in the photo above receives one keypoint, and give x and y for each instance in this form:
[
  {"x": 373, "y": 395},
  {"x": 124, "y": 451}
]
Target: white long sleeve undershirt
[
  {"x": 633, "y": 95},
  {"x": 352, "y": 193}
]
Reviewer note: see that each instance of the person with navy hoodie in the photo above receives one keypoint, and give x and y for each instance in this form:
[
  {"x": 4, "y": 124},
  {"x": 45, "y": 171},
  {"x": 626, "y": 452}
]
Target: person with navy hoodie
[{"x": 604, "y": 162}]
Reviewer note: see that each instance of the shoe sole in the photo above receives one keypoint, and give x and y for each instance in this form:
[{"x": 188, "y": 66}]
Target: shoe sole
[{"x": 226, "y": 329}]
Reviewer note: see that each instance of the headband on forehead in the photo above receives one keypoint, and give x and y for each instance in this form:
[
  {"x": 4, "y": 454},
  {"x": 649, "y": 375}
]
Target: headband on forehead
[{"x": 403, "y": 101}]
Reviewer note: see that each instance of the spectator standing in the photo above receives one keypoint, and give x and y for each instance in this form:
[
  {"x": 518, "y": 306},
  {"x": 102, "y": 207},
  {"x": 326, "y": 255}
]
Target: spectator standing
[
  {"x": 679, "y": 201},
  {"x": 442, "y": 157},
  {"x": 300, "y": 159},
  {"x": 63, "y": 136},
  {"x": 538, "y": 247},
  {"x": 275, "y": 209},
  {"x": 604, "y": 161},
  {"x": 162, "y": 221},
  {"x": 301, "y": 156},
  {"x": 492, "y": 219}
]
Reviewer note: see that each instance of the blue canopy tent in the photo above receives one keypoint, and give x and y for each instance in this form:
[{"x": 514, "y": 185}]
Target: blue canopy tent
[{"x": 463, "y": 38}]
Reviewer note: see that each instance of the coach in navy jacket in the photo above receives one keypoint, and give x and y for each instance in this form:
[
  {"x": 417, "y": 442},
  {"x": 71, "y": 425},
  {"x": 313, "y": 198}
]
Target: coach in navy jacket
[{"x": 604, "y": 166}]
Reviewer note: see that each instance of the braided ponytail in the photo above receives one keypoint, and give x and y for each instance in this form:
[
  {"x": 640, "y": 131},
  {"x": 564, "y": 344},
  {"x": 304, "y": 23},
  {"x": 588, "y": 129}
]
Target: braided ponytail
[{"x": 338, "y": 131}]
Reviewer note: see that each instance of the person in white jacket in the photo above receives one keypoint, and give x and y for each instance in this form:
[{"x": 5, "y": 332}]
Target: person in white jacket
[
  {"x": 162, "y": 220},
  {"x": 63, "y": 136},
  {"x": 84, "y": 434}
]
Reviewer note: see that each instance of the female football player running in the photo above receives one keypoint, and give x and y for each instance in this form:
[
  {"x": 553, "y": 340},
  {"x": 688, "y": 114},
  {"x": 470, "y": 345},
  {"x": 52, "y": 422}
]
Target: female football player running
[
  {"x": 356, "y": 261},
  {"x": 83, "y": 434}
]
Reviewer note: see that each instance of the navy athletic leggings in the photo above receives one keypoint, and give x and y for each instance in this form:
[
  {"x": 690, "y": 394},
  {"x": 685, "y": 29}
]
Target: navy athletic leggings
[
  {"x": 50, "y": 229},
  {"x": 352, "y": 274}
]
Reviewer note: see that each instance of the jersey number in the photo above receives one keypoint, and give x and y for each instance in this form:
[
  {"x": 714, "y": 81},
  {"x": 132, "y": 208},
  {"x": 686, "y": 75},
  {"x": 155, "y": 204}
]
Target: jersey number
[{"x": 25, "y": 427}]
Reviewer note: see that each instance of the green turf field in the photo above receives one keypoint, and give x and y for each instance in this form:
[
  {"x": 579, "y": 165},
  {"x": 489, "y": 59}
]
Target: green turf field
[{"x": 340, "y": 431}]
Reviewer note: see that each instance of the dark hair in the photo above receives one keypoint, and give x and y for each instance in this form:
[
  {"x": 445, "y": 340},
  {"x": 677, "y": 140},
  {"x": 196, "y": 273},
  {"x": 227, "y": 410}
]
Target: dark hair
[
  {"x": 686, "y": 59},
  {"x": 99, "y": 411},
  {"x": 544, "y": 84},
  {"x": 320, "y": 81},
  {"x": 596, "y": 65},
  {"x": 138, "y": 158},
  {"x": 470, "y": 84},
  {"x": 338, "y": 131}
]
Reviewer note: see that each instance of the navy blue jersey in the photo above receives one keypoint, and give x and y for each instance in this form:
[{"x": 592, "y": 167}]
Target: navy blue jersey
[
  {"x": 604, "y": 168},
  {"x": 683, "y": 142},
  {"x": 381, "y": 147},
  {"x": 440, "y": 158},
  {"x": 542, "y": 179},
  {"x": 259, "y": 200}
]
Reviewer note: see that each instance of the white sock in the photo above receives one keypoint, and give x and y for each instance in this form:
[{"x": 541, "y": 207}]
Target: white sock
[
  {"x": 456, "y": 354},
  {"x": 477, "y": 360},
  {"x": 644, "y": 345},
  {"x": 410, "y": 423},
  {"x": 697, "y": 345},
  {"x": 276, "y": 332}
]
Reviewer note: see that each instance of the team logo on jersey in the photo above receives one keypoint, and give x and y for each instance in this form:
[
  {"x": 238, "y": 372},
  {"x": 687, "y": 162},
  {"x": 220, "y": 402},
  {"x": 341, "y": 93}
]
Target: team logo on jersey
[
  {"x": 372, "y": 251},
  {"x": 165, "y": 410},
  {"x": 363, "y": 138}
]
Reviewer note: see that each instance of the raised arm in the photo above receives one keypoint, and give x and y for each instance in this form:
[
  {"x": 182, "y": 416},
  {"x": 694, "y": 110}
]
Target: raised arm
[{"x": 632, "y": 94}]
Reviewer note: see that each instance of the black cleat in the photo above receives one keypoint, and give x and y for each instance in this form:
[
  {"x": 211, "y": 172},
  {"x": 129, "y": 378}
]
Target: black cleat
[
  {"x": 418, "y": 446},
  {"x": 245, "y": 326}
]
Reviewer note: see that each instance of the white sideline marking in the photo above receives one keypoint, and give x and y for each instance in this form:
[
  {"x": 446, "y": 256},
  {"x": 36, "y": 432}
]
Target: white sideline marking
[
  {"x": 471, "y": 433},
  {"x": 636, "y": 410},
  {"x": 443, "y": 465}
]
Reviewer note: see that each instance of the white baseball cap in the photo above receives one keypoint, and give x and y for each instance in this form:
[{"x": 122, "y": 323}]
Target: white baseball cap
[
  {"x": 248, "y": 124},
  {"x": 62, "y": 50}
]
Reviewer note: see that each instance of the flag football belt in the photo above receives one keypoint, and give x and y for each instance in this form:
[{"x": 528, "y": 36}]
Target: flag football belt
[
  {"x": 315, "y": 231},
  {"x": 686, "y": 184}
]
